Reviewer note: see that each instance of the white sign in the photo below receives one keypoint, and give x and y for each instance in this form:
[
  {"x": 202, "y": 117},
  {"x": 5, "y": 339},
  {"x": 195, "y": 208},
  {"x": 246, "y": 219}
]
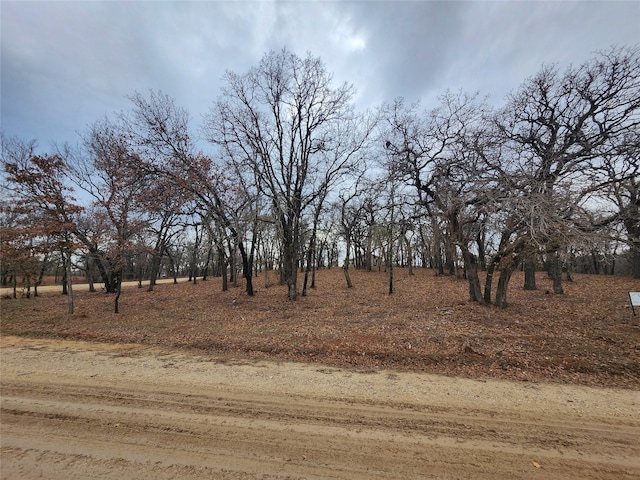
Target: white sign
[{"x": 635, "y": 300}]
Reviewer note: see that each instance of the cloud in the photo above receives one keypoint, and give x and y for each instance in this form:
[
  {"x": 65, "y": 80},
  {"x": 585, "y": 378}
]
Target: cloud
[
  {"x": 66, "y": 64},
  {"x": 408, "y": 44},
  {"x": 500, "y": 44}
]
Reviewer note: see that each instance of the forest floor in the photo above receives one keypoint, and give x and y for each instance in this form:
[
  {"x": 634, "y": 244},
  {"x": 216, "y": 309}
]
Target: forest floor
[
  {"x": 191, "y": 382},
  {"x": 587, "y": 336}
]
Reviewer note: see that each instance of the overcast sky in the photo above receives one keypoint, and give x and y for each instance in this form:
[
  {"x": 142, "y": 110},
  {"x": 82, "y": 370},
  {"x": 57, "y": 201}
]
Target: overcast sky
[{"x": 65, "y": 65}]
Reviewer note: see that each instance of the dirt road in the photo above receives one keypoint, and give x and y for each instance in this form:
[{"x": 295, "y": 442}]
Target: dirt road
[
  {"x": 73, "y": 410},
  {"x": 84, "y": 287}
]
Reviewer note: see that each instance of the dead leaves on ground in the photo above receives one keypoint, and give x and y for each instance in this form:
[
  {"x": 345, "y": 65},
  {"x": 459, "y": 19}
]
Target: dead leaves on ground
[{"x": 586, "y": 336}]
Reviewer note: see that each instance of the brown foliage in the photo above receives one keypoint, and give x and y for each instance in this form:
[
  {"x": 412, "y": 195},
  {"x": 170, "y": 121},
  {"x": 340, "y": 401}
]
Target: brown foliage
[{"x": 586, "y": 336}]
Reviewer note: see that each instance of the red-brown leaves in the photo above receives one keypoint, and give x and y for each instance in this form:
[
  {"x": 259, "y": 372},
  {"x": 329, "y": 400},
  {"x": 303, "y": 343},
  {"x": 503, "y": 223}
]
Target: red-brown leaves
[{"x": 586, "y": 336}]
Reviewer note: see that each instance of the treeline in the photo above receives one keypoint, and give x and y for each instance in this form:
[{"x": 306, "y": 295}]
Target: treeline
[{"x": 297, "y": 179}]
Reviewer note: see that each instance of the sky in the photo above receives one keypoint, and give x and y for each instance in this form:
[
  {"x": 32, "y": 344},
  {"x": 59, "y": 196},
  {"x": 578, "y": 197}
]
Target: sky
[{"x": 65, "y": 65}]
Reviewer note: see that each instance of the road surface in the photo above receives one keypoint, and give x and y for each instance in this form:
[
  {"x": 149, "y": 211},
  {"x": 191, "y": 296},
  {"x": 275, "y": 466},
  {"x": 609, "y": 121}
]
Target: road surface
[
  {"x": 84, "y": 287},
  {"x": 77, "y": 410}
]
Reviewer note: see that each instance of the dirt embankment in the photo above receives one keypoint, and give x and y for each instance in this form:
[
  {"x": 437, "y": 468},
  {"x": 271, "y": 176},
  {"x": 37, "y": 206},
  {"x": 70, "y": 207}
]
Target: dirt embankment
[{"x": 79, "y": 410}]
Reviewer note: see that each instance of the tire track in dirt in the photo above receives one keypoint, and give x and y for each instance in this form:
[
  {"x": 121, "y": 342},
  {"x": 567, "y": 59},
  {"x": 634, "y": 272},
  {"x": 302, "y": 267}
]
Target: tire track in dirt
[{"x": 76, "y": 410}]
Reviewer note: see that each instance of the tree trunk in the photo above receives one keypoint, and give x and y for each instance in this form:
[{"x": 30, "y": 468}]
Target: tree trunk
[
  {"x": 40, "y": 276},
  {"x": 635, "y": 259},
  {"x": 450, "y": 255},
  {"x": 140, "y": 273},
  {"x": 107, "y": 279},
  {"x": 222, "y": 261},
  {"x": 530, "y": 274},
  {"x": 347, "y": 277},
  {"x": 390, "y": 270},
  {"x": 225, "y": 279},
  {"x": 471, "y": 268},
  {"x": 439, "y": 264},
  {"x": 193, "y": 270},
  {"x": 503, "y": 283},
  {"x": 345, "y": 267},
  {"x": 174, "y": 269},
  {"x": 311, "y": 252},
  {"x": 409, "y": 255},
  {"x": 194, "y": 267},
  {"x": 290, "y": 264},
  {"x": 69, "y": 284},
  {"x": 118, "y": 282},
  {"x": 207, "y": 263},
  {"x": 307, "y": 268},
  {"x": 292, "y": 284},
  {"x": 233, "y": 267},
  {"x": 632, "y": 224},
  {"x": 281, "y": 270},
  {"x": 568, "y": 269},
  {"x": 319, "y": 263},
  {"x": 89, "y": 266},
  {"x": 368, "y": 249},
  {"x": 247, "y": 267},
  {"x": 155, "y": 266},
  {"x": 65, "y": 274},
  {"x": 488, "y": 284},
  {"x": 555, "y": 269}
]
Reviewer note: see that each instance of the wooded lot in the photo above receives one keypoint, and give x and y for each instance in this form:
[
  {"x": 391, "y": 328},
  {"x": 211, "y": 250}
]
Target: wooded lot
[{"x": 293, "y": 179}]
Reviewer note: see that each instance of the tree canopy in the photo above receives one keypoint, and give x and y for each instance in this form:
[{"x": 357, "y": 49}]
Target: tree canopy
[{"x": 294, "y": 177}]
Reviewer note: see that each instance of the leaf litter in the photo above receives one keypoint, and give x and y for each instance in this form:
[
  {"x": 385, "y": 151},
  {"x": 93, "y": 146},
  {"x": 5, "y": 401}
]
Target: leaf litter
[{"x": 587, "y": 336}]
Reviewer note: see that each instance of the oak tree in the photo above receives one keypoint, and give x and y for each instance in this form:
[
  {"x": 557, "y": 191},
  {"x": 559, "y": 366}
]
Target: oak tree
[
  {"x": 279, "y": 120},
  {"x": 563, "y": 122}
]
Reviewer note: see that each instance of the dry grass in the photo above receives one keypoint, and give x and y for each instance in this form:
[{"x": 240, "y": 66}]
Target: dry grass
[{"x": 587, "y": 336}]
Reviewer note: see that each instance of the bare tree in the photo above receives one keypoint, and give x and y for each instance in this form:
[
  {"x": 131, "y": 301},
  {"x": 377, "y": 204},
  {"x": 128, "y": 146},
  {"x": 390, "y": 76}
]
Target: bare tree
[
  {"x": 350, "y": 211},
  {"x": 563, "y": 122},
  {"x": 164, "y": 205},
  {"x": 616, "y": 187},
  {"x": 432, "y": 152},
  {"x": 160, "y": 129},
  {"x": 108, "y": 170},
  {"x": 284, "y": 121}
]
